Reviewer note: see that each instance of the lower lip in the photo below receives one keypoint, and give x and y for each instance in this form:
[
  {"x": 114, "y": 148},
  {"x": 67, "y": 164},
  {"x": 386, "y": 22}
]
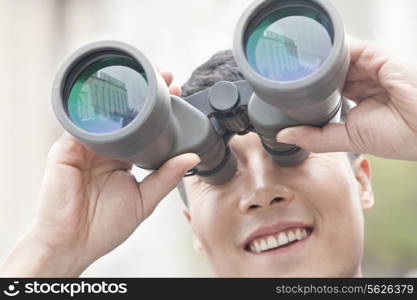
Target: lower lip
[{"x": 285, "y": 249}]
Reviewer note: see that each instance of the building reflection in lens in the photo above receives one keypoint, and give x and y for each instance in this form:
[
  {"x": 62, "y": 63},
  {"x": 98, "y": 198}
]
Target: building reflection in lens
[{"x": 105, "y": 97}]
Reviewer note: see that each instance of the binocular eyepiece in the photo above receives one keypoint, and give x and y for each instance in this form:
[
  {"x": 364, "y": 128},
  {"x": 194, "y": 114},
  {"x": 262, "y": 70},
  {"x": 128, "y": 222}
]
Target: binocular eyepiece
[{"x": 292, "y": 53}]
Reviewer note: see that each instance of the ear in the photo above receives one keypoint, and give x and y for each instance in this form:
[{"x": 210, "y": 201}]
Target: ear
[
  {"x": 363, "y": 176},
  {"x": 187, "y": 215},
  {"x": 198, "y": 246}
]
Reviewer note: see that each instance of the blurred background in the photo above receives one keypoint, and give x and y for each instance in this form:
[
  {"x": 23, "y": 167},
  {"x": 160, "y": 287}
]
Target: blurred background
[{"x": 178, "y": 36}]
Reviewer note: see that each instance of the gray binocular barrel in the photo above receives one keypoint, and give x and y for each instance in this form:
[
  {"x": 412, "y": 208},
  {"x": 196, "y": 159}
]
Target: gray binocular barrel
[
  {"x": 294, "y": 55},
  {"x": 110, "y": 97}
]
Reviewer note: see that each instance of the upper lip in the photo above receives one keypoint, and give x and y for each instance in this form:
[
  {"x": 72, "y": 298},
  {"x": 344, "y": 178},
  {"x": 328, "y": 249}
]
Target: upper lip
[{"x": 273, "y": 229}]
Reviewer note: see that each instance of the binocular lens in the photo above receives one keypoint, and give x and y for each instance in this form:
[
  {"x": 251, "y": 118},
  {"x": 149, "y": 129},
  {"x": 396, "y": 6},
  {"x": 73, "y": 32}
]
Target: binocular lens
[
  {"x": 289, "y": 43},
  {"x": 107, "y": 95}
]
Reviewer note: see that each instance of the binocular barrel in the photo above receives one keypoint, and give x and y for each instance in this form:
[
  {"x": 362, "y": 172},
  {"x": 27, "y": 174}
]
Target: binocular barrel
[
  {"x": 292, "y": 53},
  {"x": 110, "y": 97}
]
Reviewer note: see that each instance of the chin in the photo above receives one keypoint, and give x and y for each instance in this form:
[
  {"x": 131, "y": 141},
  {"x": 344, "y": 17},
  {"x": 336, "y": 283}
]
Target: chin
[{"x": 315, "y": 272}]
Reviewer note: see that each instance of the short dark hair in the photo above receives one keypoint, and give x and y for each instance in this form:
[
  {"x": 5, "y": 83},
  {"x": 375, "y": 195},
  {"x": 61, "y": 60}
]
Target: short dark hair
[{"x": 222, "y": 67}]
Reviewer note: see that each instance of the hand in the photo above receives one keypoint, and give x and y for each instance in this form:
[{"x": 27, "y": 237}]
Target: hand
[
  {"x": 384, "y": 122},
  {"x": 90, "y": 204}
]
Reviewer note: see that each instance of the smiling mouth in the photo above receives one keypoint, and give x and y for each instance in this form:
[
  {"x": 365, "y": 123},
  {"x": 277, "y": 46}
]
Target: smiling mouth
[{"x": 278, "y": 240}]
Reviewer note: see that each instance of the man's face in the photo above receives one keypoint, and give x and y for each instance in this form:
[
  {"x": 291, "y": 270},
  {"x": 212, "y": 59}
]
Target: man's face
[{"x": 271, "y": 221}]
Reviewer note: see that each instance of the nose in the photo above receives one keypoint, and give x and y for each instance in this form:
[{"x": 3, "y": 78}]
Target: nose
[
  {"x": 266, "y": 195},
  {"x": 263, "y": 183}
]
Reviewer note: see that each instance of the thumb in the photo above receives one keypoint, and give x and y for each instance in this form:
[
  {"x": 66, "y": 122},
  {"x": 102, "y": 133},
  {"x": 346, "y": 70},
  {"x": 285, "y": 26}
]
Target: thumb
[
  {"x": 161, "y": 182},
  {"x": 332, "y": 138}
]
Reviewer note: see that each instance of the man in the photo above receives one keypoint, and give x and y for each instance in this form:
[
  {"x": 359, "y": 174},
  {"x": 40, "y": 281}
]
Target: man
[
  {"x": 273, "y": 221},
  {"x": 267, "y": 221}
]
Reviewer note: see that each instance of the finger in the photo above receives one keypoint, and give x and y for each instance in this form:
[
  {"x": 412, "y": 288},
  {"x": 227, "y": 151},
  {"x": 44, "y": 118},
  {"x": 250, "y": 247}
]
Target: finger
[
  {"x": 175, "y": 90},
  {"x": 392, "y": 73},
  {"x": 162, "y": 181},
  {"x": 331, "y": 138},
  {"x": 168, "y": 77},
  {"x": 358, "y": 90},
  {"x": 367, "y": 60},
  {"x": 356, "y": 47},
  {"x": 67, "y": 150}
]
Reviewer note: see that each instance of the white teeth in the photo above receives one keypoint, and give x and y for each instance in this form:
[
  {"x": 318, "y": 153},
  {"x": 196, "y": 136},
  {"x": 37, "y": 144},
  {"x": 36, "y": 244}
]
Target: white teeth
[
  {"x": 304, "y": 233},
  {"x": 282, "y": 239},
  {"x": 264, "y": 245},
  {"x": 257, "y": 247},
  {"x": 291, "y": 236},
  {"x": 272, "y": 242},
  {"x": 298, "y": 234}
]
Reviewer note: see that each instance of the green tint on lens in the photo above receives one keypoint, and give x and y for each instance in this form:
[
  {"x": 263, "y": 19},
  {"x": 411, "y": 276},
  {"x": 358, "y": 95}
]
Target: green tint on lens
[
  {"x": 108, "y": 95},
  {"x": 290, "y": 43}
]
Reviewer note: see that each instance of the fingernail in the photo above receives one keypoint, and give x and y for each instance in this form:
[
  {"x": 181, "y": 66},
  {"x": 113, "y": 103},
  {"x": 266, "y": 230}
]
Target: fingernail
[
  {"x": 194, "y": 157},
  {"x": 284, "y": 136}
]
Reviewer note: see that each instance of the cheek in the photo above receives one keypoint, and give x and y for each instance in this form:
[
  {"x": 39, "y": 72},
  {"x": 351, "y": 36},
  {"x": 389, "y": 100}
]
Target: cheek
[
  {"x": 212, "y": 220},
  {"x": 332, "y": 190},
  {"x": 339, "y": 205},
  {"x": 333, "y": 196}
]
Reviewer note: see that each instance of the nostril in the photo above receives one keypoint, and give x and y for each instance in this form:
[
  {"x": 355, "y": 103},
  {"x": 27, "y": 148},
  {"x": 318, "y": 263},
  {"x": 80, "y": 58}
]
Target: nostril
[
  {"x": 277, "y": 199},
  {"x": 253, "y": 206}
]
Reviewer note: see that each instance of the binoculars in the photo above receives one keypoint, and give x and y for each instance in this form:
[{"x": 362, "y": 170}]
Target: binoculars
[{"x": 292, "y": 53}]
